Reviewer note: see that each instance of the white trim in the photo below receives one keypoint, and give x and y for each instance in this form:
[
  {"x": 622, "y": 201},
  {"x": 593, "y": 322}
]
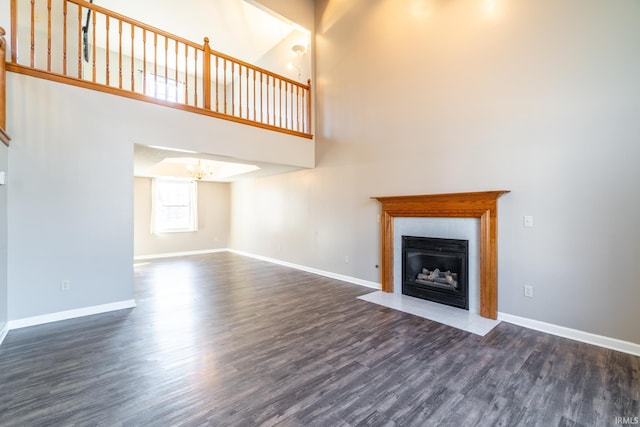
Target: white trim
[
  {"x": 70, "y": 314},
  {"x": 3, "y": 332},
  {"x": 176, "y": 254},
  {"x": 573, "y": 334},
  {"x": 561, "y": 331},
  {"x": 336, "y": 276}
]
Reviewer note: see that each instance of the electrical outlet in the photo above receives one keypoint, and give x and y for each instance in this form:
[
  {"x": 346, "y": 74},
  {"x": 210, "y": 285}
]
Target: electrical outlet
[
  {"x": 528, "y": 291},
  {"x": 527, "y": 221},
  {"x": 65, "y": 285}
]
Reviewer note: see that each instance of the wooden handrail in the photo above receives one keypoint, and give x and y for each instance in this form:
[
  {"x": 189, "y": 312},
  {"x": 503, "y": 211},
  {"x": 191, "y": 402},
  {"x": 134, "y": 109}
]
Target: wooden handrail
[
  {"x": 170, "y": 36},
  {"x": 3, "y": 90},
  {"x": 14, "y": 31},
  {"x": 153, "y": 63}
]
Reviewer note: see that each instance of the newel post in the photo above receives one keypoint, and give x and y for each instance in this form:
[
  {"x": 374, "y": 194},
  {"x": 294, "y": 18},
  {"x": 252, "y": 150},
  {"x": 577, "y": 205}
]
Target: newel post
[
  {"x": 206, "y": 74},
  {"x": 309, "y": 106},
  {"x": 14, "y": 31}
]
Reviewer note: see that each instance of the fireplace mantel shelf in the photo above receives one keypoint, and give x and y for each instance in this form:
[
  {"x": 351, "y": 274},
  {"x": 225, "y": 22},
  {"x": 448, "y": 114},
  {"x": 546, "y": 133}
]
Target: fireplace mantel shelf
[{"x": 481, "y": 205}]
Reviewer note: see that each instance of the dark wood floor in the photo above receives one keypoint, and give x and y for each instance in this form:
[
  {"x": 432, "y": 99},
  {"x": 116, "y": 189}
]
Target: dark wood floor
[{"x": 224, "y": 340}]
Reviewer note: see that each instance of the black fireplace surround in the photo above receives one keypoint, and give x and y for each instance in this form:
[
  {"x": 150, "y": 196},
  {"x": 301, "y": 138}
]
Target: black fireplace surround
[{"x": 436, "y": 270}]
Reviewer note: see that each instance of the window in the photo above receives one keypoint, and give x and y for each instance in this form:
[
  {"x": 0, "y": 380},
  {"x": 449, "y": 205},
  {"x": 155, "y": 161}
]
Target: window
[
  {"x": 162, "y": 88},
  {"x": 174, "y": 206}
]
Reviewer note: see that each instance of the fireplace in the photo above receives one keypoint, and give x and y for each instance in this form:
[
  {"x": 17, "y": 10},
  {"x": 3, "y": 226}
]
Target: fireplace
[
  {"x": 436, "y": 270},
  {"x": 482, "y": 205}
]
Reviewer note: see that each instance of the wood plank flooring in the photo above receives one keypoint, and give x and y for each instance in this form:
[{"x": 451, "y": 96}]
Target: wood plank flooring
[{"x": 224, "y": 340}]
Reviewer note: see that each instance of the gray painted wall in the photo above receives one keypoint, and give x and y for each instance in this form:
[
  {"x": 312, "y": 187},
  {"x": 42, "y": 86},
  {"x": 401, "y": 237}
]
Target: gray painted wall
[
  {"x": 4, "y": 152},
  {"x": 538, "y": 97},
  {"x": 4, "y": 161},
  {"x": 213, "y": 221},
  {"x": 70, "y": 204}
]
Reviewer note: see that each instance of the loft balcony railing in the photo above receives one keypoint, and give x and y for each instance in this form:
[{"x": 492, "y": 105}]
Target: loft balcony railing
[
  {"x": 79, "y": 43},
  {"x": 4, "y": 137}
]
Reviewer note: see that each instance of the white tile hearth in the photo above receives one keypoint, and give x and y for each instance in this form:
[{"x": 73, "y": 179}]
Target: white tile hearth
[{"x": 455, "y": 317}]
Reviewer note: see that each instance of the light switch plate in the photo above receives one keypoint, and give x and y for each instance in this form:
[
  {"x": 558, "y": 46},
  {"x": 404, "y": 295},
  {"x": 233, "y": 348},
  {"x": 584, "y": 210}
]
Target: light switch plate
[
  {"x": 528, "y": 221},
  {"x": 528, "y": 291},
  {"x": 3, "y": 178}
]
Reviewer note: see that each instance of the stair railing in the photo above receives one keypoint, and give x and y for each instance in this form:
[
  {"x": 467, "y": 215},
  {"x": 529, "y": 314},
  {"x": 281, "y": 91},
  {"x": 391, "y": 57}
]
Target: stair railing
[{"x": 80, "y": 43}]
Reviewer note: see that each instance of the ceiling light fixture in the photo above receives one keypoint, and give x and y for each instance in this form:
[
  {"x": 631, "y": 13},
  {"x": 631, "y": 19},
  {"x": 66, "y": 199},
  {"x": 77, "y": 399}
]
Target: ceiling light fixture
[
  {"x": 199, "y": 172},
  {"x": 299, "y": 50}
]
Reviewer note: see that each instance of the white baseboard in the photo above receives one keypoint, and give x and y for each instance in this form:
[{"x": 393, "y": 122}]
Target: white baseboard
[
  {"x": 336, "y": 276},
  {"x": 177, "y": 254},
  {"x": 573, "y": 334},
  {"x": 69, "y": 314},
  {"x": 3, "y": 332}
]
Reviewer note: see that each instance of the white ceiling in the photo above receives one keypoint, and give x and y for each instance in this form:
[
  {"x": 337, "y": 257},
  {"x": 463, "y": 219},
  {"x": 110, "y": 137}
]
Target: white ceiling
[
  {"x": 153, "y": 162},
  {"x": 235, "y": 27}
]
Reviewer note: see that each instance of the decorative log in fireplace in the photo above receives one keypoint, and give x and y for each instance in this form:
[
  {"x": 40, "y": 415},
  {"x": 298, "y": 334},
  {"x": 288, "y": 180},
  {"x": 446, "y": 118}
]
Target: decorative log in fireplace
[{"x": 437, "y": 278}]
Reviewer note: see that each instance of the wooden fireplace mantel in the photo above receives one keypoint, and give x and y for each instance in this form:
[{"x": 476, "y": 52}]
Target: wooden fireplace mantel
[{"x": 481, "y": 205}]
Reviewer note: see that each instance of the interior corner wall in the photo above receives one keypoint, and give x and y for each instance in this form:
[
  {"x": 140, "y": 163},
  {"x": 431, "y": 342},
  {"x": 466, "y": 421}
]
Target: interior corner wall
[
  {"x": 4, "y": 166},
  {"x": 213, "y": 221},
  {"x": 538, "y": 97},
  {"x": 281, "y": 56},
  {"x": 3, "y": 239},
  {"x": 298, "y": 11}
]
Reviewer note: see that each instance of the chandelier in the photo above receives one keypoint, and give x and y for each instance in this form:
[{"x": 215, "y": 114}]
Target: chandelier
[{"x": 199, "y": 171}]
